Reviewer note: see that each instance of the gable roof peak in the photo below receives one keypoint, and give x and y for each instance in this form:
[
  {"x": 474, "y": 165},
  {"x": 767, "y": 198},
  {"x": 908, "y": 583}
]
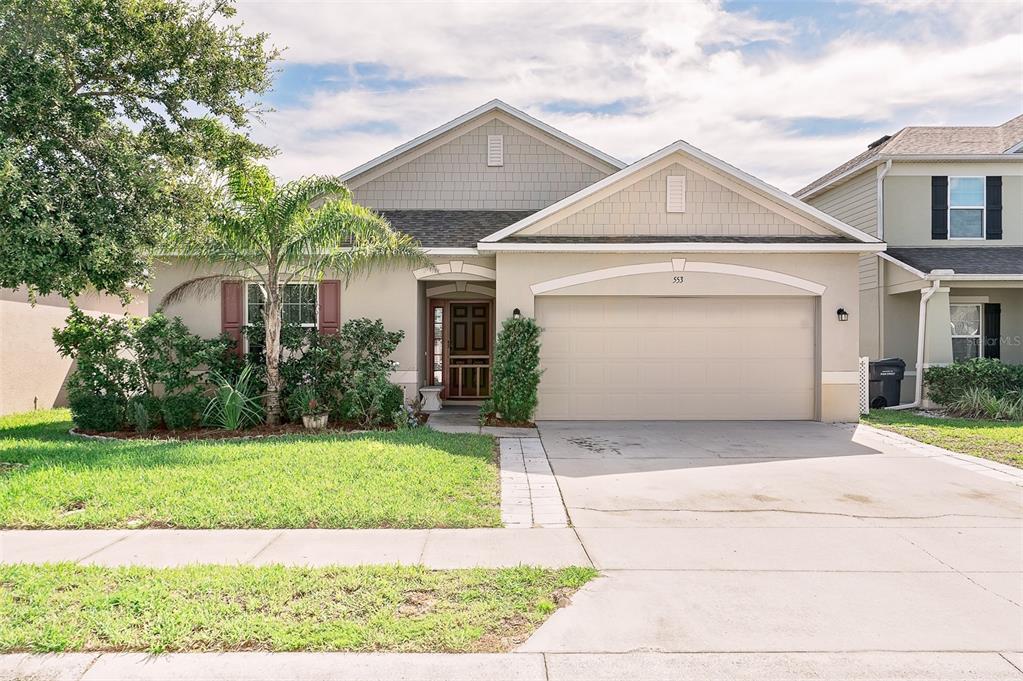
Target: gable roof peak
[{"x": 483, "y": 109}]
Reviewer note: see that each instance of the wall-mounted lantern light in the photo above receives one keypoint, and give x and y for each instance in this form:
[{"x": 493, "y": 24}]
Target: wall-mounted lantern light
[
  {"x": 516, "y": 314},
  {"x": 843, "y": 316}
]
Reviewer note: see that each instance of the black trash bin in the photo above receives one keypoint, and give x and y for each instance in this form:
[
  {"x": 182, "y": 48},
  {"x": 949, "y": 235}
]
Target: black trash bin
[{"x": 886, "y": 382}]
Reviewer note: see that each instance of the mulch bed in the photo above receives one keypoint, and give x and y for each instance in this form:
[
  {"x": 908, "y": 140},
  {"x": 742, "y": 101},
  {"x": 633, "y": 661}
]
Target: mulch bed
[
  {"x": 497, "y": 422},
  {"x": 217, "y": 434}
]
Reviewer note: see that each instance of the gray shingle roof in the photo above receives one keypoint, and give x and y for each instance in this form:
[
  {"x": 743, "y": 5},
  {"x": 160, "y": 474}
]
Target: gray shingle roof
[
  {"x": 973, "y": 260},
  {"x": 679, "y": 239},
  {"x": 452, "y": 228},
  {"x": 934, "y": 140}
]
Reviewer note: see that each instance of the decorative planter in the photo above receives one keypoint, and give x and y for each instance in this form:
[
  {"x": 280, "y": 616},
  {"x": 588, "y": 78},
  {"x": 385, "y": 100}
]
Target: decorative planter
[
  {"x": 431, "y": 397},
  {"x": 315, "y": 421}
]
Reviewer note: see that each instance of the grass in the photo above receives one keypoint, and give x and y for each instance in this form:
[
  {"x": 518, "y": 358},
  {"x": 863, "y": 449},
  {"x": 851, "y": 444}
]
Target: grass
[
  {"x": 65, "y": 607},
  {"x": 412, "y": 479},
  {"x": 1000, "y": 441}
]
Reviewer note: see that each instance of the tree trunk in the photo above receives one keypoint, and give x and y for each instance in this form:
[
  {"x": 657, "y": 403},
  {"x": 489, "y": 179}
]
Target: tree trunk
[{"x": 272, "y": 348}]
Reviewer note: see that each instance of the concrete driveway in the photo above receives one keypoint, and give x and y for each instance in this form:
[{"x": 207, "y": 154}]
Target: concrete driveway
[{"x": 738, "y": 537}]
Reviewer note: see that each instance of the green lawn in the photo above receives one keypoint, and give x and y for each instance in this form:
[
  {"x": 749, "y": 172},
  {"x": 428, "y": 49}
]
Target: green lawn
[
  {"x": 418, "y": 478},
  {"x": 67, "y": 607},
  {"x": 1000, "y": 441}
]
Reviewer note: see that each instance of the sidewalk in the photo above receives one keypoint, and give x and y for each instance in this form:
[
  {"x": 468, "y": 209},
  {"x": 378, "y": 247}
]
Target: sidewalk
[
  {"x": 438, "y": 549},
  {"x": 643, "y": 666}
]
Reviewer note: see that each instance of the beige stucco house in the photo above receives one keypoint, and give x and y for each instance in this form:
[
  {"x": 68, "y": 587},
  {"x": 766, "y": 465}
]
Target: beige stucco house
[
  {"x": 948, "y": 201},
  {"x": 678, "y": 287}
]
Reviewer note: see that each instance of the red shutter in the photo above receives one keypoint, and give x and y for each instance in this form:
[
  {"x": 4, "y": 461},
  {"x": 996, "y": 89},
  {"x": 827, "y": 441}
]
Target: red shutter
[
  {"x": 232, "y": 316},
  {"x": 330, "y": 306}
]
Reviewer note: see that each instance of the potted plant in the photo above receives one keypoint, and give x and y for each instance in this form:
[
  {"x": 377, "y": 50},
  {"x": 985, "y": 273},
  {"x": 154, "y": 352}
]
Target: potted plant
[{"x": 308, "y": 404}]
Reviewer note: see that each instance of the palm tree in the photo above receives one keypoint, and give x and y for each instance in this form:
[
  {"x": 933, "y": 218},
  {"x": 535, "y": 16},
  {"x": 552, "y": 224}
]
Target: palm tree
[{"x": 275, "y": 234}]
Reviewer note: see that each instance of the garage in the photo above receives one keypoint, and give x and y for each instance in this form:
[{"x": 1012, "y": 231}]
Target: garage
[{"x": 715, "y": 358}]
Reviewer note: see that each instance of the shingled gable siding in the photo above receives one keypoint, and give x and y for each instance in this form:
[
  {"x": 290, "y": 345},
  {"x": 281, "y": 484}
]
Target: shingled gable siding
[
  {"x": 455, "y": 175},
  {"x": 640, "y": 209}
]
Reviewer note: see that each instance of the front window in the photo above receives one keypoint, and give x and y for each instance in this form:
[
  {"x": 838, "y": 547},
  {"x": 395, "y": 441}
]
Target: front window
[
  {"x": 966, "y": 331},
  {"x": 298, "y": 306},
  {"x": 966, "y": 207}
]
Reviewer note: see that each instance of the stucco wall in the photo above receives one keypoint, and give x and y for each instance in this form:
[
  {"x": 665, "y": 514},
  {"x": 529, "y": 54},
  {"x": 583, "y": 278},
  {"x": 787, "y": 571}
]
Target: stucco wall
[
  {"x": 641, "y": 208},
  {"x": 839, "y": 341},
  {"x": 394, "y": 295},
  {"x": 455, "y": 175},
  {"x": 32, "y": 374},
  {"x": 907, "y": 203}
]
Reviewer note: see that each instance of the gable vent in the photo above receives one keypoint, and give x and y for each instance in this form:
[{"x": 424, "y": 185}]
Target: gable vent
[
  {"x": 676, "y": 194},
  {"x": 495, "y": 150}
]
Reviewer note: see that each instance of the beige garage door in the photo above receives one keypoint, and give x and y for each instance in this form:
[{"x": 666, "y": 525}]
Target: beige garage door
[{"x": 677, "y": 358}]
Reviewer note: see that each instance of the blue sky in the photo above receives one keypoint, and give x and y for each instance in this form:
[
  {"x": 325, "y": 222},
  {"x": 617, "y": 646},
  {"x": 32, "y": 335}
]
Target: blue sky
[{"x": 784, "y": 90}]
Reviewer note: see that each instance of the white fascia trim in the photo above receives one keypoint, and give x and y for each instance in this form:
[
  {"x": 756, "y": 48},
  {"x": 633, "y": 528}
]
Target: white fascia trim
[
  {"x": 951, "y": 158},
  {"x": 492, "y": 105},
  {"x": 838, "y": 179},
  {"x": 451, "y": 251},
  {"x": 716, "y": 163},
  {"x": 689, "y": 247},
  {"x": 908, "y": 268},
  {"x": 975, "y": 277},
  {"x": 1015, "y": 147}
]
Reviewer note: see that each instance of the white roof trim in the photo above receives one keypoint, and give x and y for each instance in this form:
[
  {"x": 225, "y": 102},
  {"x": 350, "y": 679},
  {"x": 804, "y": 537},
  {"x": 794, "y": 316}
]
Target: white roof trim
[
  {"x": 718, "y": 164},
  {"x": 443, "y": 250},
  {"x": 837, "y": 179},
  {"x": 908, "y": 268},
  {"x": 492, "y": 105},
  {"x": 1015, "y": 147},
  {"x": 682, "y": 247}
]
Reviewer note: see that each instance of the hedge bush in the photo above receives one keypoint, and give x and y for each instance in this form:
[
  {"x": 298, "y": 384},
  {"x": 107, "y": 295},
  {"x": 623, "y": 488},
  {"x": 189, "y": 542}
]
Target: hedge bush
[
  {"x": 96, "y": 413},
  {"x": 516, "y": 369},
  {"x": 945, "y": 385}
]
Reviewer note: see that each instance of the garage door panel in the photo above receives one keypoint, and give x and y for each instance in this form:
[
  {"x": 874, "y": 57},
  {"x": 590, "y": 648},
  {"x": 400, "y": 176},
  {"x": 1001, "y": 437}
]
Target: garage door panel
[{"x": 677, "y": 358}]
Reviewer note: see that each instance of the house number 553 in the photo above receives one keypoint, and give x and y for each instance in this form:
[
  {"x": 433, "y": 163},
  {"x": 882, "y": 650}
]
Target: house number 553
[{"x": 678, "y": 280}]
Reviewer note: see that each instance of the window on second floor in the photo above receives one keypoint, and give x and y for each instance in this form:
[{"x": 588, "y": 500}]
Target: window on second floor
[{"x": 966, "y": 203}]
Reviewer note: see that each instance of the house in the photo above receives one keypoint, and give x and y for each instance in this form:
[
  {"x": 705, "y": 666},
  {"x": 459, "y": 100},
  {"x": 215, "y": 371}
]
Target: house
[
  {"x": 948, "y": 201},
  {"x": 677, "y": 287}
]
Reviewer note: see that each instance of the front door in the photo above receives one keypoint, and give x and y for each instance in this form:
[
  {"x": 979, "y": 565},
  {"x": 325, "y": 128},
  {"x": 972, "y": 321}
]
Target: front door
[{"x": 461, "y": 345}]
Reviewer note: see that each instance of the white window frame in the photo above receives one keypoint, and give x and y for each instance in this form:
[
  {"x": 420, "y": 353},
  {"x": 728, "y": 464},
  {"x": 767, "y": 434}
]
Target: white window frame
[
  {"x": 980, "y": 328},
  {"x": 306, "y": 325},
  {"x": 982, "y": 207}
]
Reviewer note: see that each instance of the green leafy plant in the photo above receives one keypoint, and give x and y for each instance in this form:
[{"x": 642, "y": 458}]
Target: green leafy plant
[
  {"x": 487, "y": 410},
  {"x": 182, "y": 410},
  {"x": 233, "y": 406},
  {"x": 275, "y": 234},
  {"x": 977, "y": 402},
  {"x": 372, "y": 400},
  {"x": 517, "y": 369},
  {"x": 304, "y": 401},
  {"x": 112, "y": 114},
  {"x": 94, "y": 412},
  {"x": 144, "y": 412},
  {"x": 946, "y": 384}
]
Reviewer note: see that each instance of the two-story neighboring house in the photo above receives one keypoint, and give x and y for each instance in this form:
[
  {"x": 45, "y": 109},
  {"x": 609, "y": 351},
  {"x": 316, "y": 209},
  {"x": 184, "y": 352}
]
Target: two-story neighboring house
[{"x": 949, "y": 203}]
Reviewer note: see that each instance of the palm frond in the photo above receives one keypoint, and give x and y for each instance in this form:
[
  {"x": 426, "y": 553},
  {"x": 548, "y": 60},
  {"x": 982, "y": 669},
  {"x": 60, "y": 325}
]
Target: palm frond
[
  {"x": 251, "y": 186},
  {"x": 303, "y": 195},
  {"x": 202, "y": 288}
]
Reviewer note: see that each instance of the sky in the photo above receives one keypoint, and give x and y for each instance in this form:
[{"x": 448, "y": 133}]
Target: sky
[{"x": 784, "y": 90}]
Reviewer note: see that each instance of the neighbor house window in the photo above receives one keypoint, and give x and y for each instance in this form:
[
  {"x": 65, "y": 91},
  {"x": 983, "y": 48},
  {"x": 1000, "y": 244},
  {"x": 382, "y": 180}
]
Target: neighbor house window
[
  {"x": 967, "y": 331},
  {"x": 966, "y": 207},
  {"x": 298, "y": 306}
]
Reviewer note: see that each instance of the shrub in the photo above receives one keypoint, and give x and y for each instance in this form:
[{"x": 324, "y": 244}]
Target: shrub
[
  {"x": 947, "y": 384},
  {"x": 982, "y": 403},
  {"x": 144, "y": 412},
  {"x": 517, "y": 369},
  {"x": 103, "y": 350},
  {"x": 234, "y": 404},
  {"x": 181, "y": 411},
  {"x": 304, "y": 401},
  {"x": 372, "y": 400},
  {"x": 487, "y": 409},
  {"x": 98, "y": 413}
]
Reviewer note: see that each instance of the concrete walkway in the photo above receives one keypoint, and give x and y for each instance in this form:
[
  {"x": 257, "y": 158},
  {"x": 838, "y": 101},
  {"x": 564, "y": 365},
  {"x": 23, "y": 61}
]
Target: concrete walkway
[
  {"x": 529, "y": 493},
  {"x": 465, "y": 419},
  {"x": 439, "y": 549},
  {"x": 512, "y": 667}
]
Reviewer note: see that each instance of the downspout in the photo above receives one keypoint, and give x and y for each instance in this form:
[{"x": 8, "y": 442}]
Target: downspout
[
  {"x": 880, "y": 265},
  {"x": 925, "y": 295}
]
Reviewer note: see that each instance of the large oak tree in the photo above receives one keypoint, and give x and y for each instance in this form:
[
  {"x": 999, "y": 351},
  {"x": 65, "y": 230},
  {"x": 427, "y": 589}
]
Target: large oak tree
[{"x": 113, "y": 113}]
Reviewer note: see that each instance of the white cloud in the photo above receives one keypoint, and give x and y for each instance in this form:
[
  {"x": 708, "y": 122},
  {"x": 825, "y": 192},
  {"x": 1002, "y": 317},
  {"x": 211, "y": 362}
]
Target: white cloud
[{"x": 727, "y": 82}]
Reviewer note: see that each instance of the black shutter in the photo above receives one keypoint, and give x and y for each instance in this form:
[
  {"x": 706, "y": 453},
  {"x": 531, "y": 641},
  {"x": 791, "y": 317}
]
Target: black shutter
[
  {"x": 993, "y": 330},
  {"x": 994, "y": 207},
  {"x": 939, "y": 207}
]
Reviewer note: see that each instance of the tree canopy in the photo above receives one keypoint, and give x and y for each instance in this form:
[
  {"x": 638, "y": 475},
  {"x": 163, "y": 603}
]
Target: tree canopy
[{"x": 113, "y": 113}]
